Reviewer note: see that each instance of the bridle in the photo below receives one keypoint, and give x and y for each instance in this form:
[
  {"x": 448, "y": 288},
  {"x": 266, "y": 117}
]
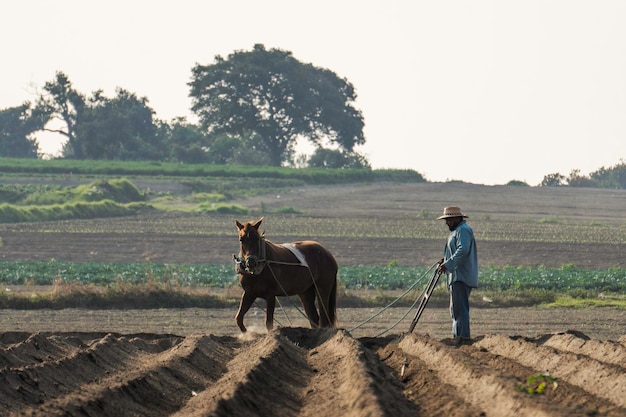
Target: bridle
[{"x": 251, "y": 264}]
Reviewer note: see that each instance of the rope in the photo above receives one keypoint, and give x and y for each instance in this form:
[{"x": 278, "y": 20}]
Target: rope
[
  {"x": 317, "y": 291},
  {"x": 283, "y": 310},
  {"x": 260, "y": 307},
  {"x": 395, "y": 301},
  {"x": 418, "y": 281},
  {"x": 404, "y": 316},
  {"x": 323, "y": 306},
  {"x": 285, "y": 292}
]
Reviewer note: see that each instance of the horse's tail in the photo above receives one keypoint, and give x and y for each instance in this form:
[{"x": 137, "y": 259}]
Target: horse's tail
[{"x": 332, "y": 305}]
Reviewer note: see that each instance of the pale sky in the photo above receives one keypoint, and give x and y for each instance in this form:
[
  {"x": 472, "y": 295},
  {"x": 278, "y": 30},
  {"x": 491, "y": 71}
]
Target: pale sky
[{"x": 478, "y": 91}]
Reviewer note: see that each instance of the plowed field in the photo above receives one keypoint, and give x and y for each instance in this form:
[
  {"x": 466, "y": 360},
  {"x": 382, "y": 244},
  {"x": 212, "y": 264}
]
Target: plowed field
[{"x": 301, "y": 372}]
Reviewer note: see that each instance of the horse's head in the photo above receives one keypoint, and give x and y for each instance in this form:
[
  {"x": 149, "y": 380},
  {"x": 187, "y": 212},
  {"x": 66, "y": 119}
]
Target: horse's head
[{"x": 251, "y": 259}]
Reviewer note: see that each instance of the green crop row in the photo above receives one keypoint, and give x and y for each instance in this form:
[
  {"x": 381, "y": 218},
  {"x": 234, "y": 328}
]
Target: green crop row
[
  {"x": 566, "y": 278},
  {"x": 106, "y": 273}
]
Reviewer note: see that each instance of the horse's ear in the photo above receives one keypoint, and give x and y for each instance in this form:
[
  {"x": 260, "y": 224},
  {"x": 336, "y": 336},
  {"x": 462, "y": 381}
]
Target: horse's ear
[
  {"x": 258, "y": 223},
  {"x": 239, "y": 225}
]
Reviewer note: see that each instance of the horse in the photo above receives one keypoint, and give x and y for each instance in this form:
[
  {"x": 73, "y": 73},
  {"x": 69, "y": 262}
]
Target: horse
[{"x": 267, "y": 270}]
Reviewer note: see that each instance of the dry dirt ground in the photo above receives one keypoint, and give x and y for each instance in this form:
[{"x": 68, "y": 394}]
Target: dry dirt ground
[
  {"x": 192, "y": 362},
  {"x": 293, "y": 371}
]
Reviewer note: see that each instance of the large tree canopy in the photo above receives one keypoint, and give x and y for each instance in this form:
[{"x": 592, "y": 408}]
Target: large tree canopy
[{"x": 271, "y": 96}]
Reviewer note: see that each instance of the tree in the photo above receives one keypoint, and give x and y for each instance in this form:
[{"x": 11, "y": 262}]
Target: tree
[
  {"x": 272, "y": 97},
  {"x": 16, "y": 125},
  {"x": 330, "y": 158},
  {"x": 517, "y": 183},
  {"x": 118, "y": 128},
  {"x": 222, "y": 148},
  {"x": 61, "y": 102},
  {"x": 553, "y": 180},
  {"x": 575, "y": 179},
  {"x": 612, "y": 177},
  {"x": 98, "y": 127},
  {"x": 186, "y": 142},
  {"x": 225, "y": 148}
]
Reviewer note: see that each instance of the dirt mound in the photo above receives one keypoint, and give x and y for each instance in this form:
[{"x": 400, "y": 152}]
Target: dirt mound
[{"x": 301, "y": 372}]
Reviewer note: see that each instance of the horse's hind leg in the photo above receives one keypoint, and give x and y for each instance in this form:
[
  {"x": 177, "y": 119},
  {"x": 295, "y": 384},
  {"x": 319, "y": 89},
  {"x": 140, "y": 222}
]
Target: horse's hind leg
[
  {"x": 308, "y": 303},
  {"x": 269, "y": 313},
  {"x": 327, "y": 301}
]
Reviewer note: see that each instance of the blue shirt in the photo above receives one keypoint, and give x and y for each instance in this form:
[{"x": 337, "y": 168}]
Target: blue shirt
[{"x": 460, "y": 256}]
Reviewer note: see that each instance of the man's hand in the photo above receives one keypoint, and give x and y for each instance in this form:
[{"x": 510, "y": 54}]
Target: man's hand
[{"x": 441, "y": 268}]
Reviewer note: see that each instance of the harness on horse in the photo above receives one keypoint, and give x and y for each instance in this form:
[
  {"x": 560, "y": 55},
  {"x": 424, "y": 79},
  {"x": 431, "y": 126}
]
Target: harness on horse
[
  {"x": 297, "y": 253},
  {"x": 254, "y": 265}
]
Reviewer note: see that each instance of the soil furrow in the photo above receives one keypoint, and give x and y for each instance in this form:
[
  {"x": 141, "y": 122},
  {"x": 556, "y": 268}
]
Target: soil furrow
[
  {"x": 350, "y": 380},
  {"x": 420, "y": 383},
  {"x": 492, "y": 390},
  {"x": 151, "y": 384},
  {"x": 263, "y": 378},
  {"x": 605, "y": 380},
  {"x": 602, "y": 350},
  {"x": 35, "y": 349},
  {"x": 44, "y": 381},
  {"x": 571, "y": 399}
]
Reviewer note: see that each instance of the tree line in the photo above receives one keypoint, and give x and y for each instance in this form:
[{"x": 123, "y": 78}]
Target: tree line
[
  {"x": 253, "y": 107},
  {"x": 611, "y": 177}
]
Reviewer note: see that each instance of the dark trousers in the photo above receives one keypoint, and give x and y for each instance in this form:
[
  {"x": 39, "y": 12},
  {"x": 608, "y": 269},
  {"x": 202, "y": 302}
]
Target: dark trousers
[{"x": 459, "y": 309}]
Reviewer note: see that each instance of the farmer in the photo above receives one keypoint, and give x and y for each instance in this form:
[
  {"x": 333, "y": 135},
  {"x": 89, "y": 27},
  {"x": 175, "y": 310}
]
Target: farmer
[{"x": 460, "y": 263}]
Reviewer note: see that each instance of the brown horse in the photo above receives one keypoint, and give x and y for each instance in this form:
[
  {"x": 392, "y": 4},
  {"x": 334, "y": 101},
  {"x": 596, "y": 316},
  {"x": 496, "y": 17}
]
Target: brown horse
[{"x": 267, "y": 270}]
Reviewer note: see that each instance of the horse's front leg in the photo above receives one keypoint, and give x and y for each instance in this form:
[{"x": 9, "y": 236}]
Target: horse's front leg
[
  {"x": 244, "y": 306},
  {"x": 269, "y": 313}
]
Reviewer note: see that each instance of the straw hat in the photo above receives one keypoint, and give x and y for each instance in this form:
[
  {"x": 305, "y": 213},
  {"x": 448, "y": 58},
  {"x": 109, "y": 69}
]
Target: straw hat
[{"x": 451, "y": 212}]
